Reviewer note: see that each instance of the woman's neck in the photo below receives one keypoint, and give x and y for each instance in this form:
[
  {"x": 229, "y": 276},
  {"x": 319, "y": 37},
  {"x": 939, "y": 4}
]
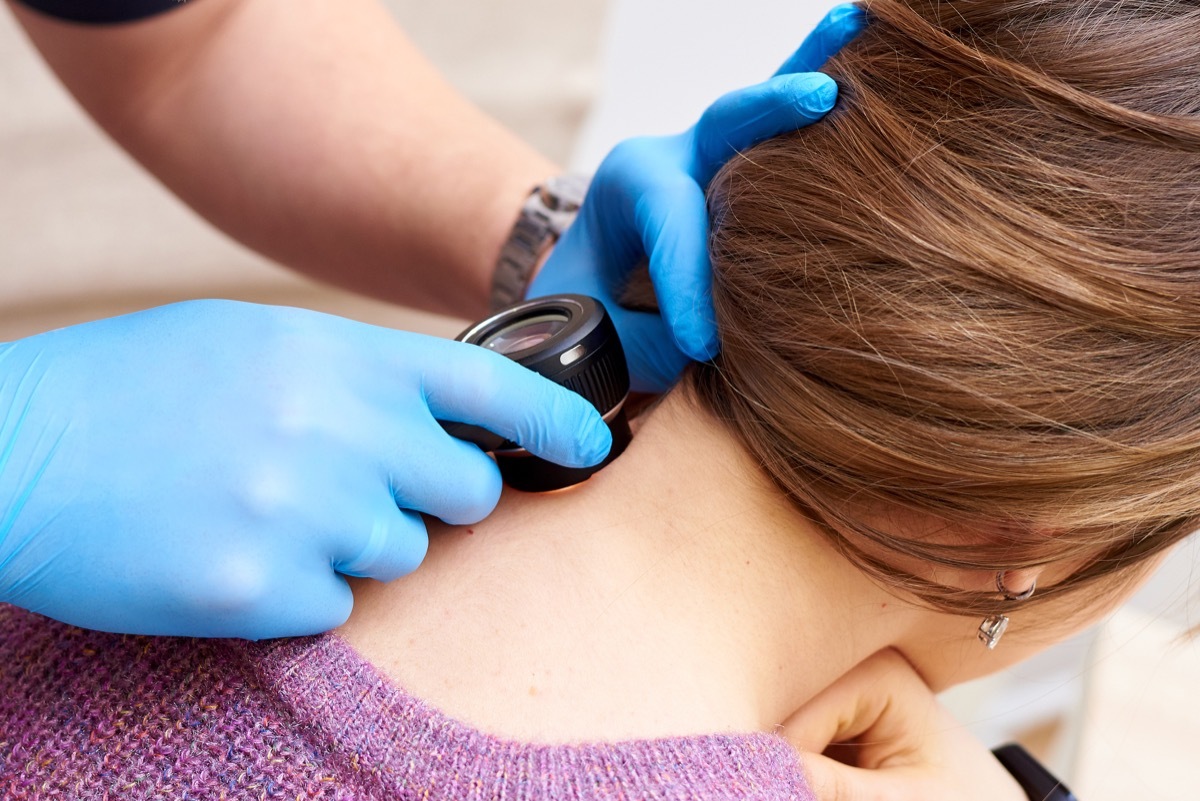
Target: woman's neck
[{"x": 676, "y": 592}]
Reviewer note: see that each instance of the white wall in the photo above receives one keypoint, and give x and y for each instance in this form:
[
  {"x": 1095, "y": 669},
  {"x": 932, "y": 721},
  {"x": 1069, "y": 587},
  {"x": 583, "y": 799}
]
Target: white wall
[{"x": 664, "y": 61}]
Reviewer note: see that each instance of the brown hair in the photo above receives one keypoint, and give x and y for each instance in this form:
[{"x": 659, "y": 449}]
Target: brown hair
[{"x": 973, "y": 291}]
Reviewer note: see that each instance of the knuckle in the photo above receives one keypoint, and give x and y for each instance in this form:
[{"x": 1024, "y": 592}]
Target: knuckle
[
  {"x": 890, "y": 665},
  {"x": 626, "y": 153},
  {"x": 408, "y": 544},
  {"x": 411, "y": 560},
  {"x": 334, "y": 611},
  {"x": 472, "y": 381},
  {"x": 630, "y": 162},
  {"x": 268, "y": 491},
  {"x": 391, "y": 547},
  {"x": 472, "y": 493},
  {"x": 480, "y": 495},
  {"x": 718, "y": 111},
  {"x": 723, "y": 113},
  {"x": 236, "y": 584}
]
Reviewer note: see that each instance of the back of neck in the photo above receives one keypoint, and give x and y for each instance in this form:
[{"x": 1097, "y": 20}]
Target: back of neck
[{"x": 673, "y": 593}]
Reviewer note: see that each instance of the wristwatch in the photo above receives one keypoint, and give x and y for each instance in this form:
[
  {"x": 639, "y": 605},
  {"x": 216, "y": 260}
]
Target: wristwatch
[
  {"x": 548, "y": 211},
  {"x": 1037, "y": 782}
]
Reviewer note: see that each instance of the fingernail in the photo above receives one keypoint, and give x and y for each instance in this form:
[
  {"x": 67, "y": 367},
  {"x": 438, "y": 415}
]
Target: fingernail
[
  {"x": 845, "y": 12},
  {"x": 826, "y": 94},
  {"x": 698, "y": 346},
  {"x": 814, "y": 92}
]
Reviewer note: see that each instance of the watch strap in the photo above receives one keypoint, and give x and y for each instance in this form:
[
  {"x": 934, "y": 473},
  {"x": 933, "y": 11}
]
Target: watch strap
[
  {"x": 546, "y": 214},
  {"x": 1037, "y": 782}
]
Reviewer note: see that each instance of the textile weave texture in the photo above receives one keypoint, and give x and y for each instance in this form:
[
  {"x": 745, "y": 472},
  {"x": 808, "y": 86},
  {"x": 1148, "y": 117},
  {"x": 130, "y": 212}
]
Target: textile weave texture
[{"x": 87, "y": 715}]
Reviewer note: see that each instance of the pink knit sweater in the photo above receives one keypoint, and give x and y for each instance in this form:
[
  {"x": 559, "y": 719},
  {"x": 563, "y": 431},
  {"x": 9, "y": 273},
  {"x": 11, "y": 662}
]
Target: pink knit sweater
[{"x": 85, "y": 715}]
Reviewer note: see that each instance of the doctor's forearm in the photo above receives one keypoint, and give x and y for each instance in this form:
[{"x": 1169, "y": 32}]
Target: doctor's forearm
[{"x": 313, "y": 132}]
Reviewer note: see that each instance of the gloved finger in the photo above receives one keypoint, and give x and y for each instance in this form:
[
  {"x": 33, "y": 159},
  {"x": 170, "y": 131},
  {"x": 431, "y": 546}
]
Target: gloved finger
[
  {"x": 655, "y": 363},
  {"x": 305, "y": 601},
  {"x": 838, "y": 28},
  {"x": 469, "y": 384},
  {"x": 674, "y": 226},
  {"x": 745, "y": 117},
  {"x": 445, "y": 477},
  {"x": 300, "y": 600},
  {"x": 394, "y": 545}
]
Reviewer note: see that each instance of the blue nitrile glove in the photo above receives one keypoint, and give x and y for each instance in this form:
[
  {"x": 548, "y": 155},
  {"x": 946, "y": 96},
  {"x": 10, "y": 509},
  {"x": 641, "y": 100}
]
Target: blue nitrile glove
[
  {"x": 210, "y": 468},
  {"x": 647, "y": 198}
]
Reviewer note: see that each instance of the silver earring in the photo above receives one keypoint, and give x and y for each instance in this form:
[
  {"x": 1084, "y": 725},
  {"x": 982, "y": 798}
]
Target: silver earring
[
  {"x": 993, "y": 626},
  {"x": 992, "y": 629},
  {"x": 1008, "y": 594}
]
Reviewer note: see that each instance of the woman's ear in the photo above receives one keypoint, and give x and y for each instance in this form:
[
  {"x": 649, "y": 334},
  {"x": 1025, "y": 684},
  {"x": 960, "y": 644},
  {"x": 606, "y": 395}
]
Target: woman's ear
[{"x": 1018, "y": 584}]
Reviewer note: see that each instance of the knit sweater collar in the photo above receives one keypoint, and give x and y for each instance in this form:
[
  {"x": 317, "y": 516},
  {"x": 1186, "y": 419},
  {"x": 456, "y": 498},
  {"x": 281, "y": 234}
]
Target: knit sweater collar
[{"x": 410, "y": 749}]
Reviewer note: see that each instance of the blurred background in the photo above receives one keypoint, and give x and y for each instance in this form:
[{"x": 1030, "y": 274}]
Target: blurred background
[{"x": 85, "y": 233}]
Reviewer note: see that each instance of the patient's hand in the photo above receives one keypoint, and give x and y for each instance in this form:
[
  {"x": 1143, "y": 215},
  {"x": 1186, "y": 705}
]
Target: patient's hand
[{"x": 879, "y": 733}]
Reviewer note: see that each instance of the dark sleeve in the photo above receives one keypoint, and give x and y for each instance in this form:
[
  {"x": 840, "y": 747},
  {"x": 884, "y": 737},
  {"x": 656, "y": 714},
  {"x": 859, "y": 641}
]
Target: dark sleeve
[{"x": 102, "y": 11}]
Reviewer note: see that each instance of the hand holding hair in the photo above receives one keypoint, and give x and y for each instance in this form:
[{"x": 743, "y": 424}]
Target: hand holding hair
[
  {"x": 215, "y": 468},
  {"x": 647, "y": 200},
  {"x": 879, "y": 733}
]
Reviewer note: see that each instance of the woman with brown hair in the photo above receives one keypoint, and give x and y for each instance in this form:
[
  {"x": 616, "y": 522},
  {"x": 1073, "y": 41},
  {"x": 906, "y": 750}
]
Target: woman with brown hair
[{"x": 960, "y": 331}]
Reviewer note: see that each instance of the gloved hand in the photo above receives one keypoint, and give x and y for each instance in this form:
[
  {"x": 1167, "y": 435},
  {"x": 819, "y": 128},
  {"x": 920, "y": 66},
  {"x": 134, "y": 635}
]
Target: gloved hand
[
  {"x": 893, "y": 740},
  {"x": 647, "y": 198},
  {"x": 210, "y": 468}
]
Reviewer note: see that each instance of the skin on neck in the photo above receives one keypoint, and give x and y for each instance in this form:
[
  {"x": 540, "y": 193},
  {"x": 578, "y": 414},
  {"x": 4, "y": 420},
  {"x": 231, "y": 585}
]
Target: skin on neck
[{"x": 674, "y": 593}]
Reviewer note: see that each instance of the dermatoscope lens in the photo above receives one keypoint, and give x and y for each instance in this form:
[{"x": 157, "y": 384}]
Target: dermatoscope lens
[
  {"x": 571, "y": 340},
  {"x": 526, "y": 333}
]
